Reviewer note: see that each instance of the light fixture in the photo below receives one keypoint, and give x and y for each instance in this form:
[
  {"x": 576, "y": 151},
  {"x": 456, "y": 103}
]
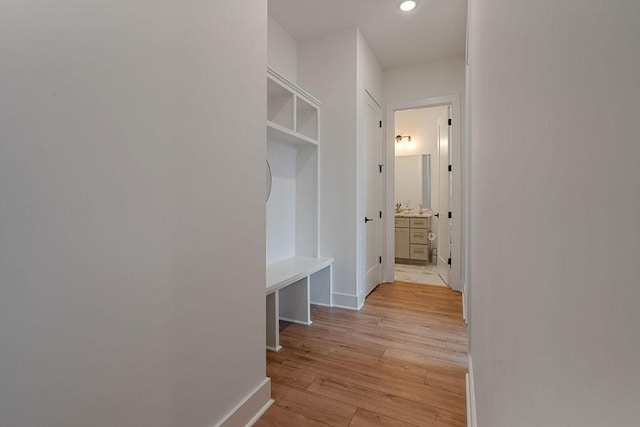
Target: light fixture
[
  {"x": 400, "y": 137},
  {"x": 407, "y": 6}
]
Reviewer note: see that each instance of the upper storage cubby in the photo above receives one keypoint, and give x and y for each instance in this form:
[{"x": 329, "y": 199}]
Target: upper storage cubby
[
  {"x": 306, "y": 118},
  {"x": 279, "y": 105},
  {"x": 292, "y": 114}
]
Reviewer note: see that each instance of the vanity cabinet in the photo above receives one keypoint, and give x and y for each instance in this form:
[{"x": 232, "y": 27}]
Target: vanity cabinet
[
  {"x": 403, "y": 245},
  {"x": 412, "y": 238}
]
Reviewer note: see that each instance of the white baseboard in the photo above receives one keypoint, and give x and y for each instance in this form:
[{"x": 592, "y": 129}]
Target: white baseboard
[
  {"x": 464, "y": 304},
  {"x": 260, "y": 413},
  {"x": 321, "y": 304},
  {"x": 274, "y": 349},
  {"x": 299, "y": 322},
  {"x": 361, "y": 299},
  {"x": 471, "y": 397},
  {"x": 350, "y": 302},
  {"x": 247, "y": 412}
]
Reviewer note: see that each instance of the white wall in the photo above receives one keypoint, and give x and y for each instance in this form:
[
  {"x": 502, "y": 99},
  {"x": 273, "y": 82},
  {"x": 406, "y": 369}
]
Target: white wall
[
  {"x": 327, "y": 70},
  {"x": 422, "y": 125},
  {"x": 431, "y": 79},
  {"x": 126, "y": 294},
  {"x": 554, "y": 212},
  {"x": 282, "y": 51},
  {"x": 281, "y": 206},
  {"x": 368, "y": 69}
]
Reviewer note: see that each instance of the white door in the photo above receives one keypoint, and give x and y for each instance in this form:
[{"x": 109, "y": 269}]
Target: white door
[
  {"x": 372, "y": 182},
  {"x": 444, "y": 197}
]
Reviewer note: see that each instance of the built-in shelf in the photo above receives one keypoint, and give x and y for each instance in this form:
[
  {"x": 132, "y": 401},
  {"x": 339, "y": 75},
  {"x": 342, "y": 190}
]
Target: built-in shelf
[
  {"x": 296, "y": 275},
  {"x": 280, "y": 103},
  {"x": 278, "y": 133},
  {"x": 290, "y": 270},
  {"x": 293, "y": 284},
  {"x": 292, "y": 114},
  {"x": 306, "y": 118}
]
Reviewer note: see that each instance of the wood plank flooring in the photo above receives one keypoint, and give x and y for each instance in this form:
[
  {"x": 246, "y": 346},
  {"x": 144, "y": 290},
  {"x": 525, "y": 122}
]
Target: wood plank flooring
[{"x": 400, "y": 361}]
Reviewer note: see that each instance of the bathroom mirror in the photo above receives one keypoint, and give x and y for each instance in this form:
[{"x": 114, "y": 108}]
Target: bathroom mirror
[
  {"x": 413, "y": 180},
  {"x": 269, "y": 180}
]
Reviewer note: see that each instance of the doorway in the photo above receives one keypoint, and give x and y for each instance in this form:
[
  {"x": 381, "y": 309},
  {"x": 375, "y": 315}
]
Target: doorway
[
  {"x": 432, "y": 208},
  {"x": 421, "y": 225}
]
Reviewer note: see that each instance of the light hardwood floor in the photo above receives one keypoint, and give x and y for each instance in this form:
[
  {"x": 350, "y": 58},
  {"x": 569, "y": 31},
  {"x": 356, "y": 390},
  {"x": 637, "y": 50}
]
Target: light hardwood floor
[{"x": 400, "y": 361}]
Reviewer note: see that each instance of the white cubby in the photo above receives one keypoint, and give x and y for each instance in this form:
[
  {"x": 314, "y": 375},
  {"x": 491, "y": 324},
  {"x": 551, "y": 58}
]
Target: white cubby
[
  {"x": 292, "y": 114},
  {"x": 292, "y": 152},
  {"x": 279, "y": 105},
  {"x": 292, "y": 208},
  {"x": 306, "y": 118},
  {"x": 296, "y": 275}
]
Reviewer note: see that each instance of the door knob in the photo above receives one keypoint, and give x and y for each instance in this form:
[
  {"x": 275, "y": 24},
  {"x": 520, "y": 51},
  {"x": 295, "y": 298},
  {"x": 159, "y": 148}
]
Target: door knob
[
  {"x": 437, "y": 215},
  {"x": 366, "y": 220}
]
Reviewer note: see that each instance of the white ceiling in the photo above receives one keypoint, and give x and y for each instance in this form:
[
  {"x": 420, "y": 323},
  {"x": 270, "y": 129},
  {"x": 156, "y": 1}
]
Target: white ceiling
[{"x": 434, "y": 29}]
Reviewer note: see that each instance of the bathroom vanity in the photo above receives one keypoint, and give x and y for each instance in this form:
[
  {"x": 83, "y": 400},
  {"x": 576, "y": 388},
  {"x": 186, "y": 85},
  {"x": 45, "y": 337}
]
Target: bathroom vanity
[{"x": 412, "y": 237}]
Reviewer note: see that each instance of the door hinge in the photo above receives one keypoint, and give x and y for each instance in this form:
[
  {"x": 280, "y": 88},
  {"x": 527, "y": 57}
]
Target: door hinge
[
  {"x": 380, "y": 214},
  {"x": 380, "y": 123},
  {"x": 449, "y": 261},
  {"x": 380, "y": 168},
  {"x": 449, "y": 122},
  {"x": 450, "y": 216},
  {"x": 380, "y": 260},
  {"x": 449, "y": 168}
]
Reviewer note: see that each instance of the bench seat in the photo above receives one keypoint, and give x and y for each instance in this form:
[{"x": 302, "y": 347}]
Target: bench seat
[{"x": 292, "y": 285}]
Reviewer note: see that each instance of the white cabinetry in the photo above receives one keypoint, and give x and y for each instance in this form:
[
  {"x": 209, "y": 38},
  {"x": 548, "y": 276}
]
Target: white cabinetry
[
  {"x": 296, "y": 275},
  {"x": 292, "y": 114},
  {"x": 292, "y": 153}
]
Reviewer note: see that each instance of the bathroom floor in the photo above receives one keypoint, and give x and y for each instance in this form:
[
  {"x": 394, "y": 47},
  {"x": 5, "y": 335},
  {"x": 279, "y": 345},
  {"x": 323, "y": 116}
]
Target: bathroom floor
[{"x": 424, "y": 274}]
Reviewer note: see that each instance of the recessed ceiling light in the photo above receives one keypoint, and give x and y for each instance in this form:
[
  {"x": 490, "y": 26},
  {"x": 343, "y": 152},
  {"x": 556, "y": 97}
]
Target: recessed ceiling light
[{"x": 407, "y": 6}]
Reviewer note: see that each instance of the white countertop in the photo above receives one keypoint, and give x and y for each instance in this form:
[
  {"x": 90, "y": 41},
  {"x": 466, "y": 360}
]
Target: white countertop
[{"x": 426, "y": 214}]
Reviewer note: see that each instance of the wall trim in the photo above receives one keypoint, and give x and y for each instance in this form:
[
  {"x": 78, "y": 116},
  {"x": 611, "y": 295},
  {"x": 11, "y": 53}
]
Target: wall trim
[
  {"x": 321, "y": 304},
  {"x": 464, "y": 303},
  {"x": 247, "y": 412},
  {"x": 260, "y": 413},
  {"x": 299, "y": 322},
  {"x": 472, "y": 421},
  {"x": 350, "y": 302}
]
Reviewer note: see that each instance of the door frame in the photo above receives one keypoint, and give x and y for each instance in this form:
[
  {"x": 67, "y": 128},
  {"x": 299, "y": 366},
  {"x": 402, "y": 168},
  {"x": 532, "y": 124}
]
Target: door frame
[
  {"x": 445, "y": 198},
  {"x": 457, "y": 258}
]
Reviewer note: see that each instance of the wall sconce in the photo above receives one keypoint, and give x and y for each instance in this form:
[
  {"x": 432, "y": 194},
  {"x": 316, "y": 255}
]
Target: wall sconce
[{"x": 400, "y": 137}]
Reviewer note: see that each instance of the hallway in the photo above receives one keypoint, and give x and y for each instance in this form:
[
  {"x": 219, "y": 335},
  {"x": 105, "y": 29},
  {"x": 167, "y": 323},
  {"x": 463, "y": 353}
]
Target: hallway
[{"x": 399, "y": 361}]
